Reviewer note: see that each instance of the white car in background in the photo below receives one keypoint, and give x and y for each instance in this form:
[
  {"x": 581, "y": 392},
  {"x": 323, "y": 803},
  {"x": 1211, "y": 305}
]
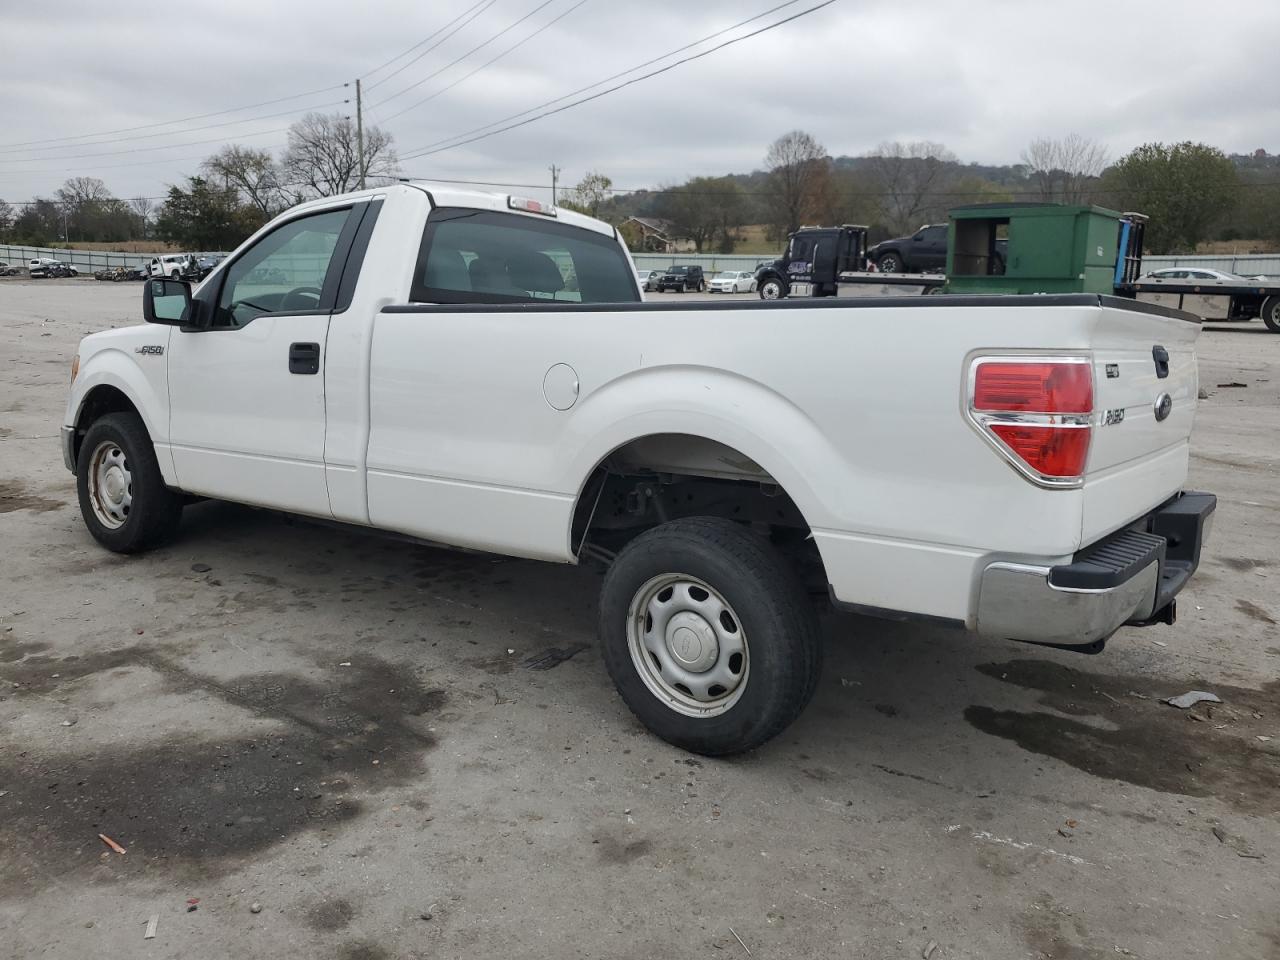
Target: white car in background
[
  {"x": 733, "y": 281},
  {"x": 175, "y": 266},
  {"x": 1194, "y": 273},
  {"x": 647, "y": 280}
]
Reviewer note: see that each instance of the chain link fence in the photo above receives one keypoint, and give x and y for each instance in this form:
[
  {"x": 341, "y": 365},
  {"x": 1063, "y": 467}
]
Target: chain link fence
[{"x": 86, "y": 261}]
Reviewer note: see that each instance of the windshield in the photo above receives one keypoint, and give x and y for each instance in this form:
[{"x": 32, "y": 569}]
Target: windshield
[
  {"x": 678, "y": 270},
  {"x": 726, "y": 275}
]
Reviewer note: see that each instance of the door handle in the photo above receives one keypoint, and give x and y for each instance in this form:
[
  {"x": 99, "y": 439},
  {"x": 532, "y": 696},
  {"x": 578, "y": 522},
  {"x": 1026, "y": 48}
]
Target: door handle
[
  {"x": 1161, "y": 357},
  {"x": 304, "y": 358}
]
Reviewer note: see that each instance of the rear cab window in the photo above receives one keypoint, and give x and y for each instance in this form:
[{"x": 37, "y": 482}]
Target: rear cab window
[{"x": 484, "y": 256}]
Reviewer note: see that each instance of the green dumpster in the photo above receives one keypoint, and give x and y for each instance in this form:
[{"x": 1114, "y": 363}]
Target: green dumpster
[{"x": 1045, "y": 248}]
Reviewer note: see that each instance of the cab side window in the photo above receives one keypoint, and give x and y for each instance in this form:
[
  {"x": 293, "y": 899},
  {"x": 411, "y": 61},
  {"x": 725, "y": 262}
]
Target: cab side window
[
  {"x": 482, "y": 256},
  {"x": 284, "y": 272}
]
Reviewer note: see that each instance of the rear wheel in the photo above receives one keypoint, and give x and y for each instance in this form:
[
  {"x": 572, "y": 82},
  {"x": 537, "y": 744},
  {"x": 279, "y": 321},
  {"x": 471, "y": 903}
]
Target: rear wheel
[
  {"x": 889, "y": 263},
  {"x": 702, "y": 286},
  {"x": 123, "y": 497},
  {"x": 1271, "y": 313},
  {"x": 709, "y": 635}
]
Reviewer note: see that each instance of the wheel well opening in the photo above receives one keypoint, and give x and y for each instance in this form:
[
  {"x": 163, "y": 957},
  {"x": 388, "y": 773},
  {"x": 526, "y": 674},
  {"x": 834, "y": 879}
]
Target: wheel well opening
[
  {"x": 663, "y": 477},
  {"x": 100, "y": 401}
]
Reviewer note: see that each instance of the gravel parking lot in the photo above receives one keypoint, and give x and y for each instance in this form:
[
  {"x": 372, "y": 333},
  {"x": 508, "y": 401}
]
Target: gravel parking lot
[{"x": 350, "y": 746}]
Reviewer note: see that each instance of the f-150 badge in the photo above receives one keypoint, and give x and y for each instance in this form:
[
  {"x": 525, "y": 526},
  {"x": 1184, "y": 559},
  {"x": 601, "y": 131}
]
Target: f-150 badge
[{"x": 154, "y": 349}]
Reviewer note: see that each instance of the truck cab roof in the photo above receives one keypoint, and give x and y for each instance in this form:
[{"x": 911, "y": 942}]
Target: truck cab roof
[{"x": 452, "y": 195}]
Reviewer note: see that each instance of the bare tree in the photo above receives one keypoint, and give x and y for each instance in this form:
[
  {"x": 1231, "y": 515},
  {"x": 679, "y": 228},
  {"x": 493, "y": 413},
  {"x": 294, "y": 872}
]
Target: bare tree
[
  {"x": 252, "y": 172},
  {"x": 910, "y": 178},
  {"x": 6, "y": 217},
  {"x": 799, "y": 179},
  {"x": 86, "y": 204},
  {"x": 142, "y": 209},
  {"x": 1064, "y": 169},
  {"x": 591, "y": 191},
  {"x": 322, "y": 155},
  {"x": 78, "y": 191}
]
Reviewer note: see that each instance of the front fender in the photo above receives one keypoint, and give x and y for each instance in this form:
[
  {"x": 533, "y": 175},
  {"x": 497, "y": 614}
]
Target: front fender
[
  {"x": 716, "y": 405},
  {"x": 144, "y": 382}
]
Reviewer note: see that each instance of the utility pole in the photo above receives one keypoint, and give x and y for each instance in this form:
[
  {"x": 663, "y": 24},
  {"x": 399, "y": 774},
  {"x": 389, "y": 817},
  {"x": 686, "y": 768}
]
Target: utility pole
[
  {"x": 555, "y": 177},
  {"x": 360, "y": 133}
]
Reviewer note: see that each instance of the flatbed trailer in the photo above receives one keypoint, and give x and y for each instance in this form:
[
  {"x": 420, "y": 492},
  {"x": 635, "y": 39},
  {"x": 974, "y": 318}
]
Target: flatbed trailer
[
  {"x": 1221, "y": 300},
  {"x": 893, "y": 283}
]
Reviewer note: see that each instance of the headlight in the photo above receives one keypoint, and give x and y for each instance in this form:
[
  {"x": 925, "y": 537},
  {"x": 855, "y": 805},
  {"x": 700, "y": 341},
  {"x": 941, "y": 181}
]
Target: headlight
[{"x": 75, "y": 367}]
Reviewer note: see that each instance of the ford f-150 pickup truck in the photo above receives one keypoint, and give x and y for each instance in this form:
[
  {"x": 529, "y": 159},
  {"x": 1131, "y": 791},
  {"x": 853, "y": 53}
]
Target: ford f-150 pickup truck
[{"x": 481, "y": 371}]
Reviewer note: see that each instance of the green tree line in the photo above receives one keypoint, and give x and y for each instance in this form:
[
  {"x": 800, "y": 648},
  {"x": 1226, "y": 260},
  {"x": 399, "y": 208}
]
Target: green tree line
[{"x": 1192, "y": 192}]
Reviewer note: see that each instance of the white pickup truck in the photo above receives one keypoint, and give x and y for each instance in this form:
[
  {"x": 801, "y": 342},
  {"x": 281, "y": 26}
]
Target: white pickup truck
[{"x": 481, "y": 371}]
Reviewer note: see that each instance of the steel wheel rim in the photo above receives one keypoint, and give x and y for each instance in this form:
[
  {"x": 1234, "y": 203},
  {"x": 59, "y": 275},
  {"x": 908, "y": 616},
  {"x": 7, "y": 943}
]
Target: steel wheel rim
[
  {"x": 771, "y": 290},
  {"x": 110, "y": 485},
  {"x": 688, "y": 645}
]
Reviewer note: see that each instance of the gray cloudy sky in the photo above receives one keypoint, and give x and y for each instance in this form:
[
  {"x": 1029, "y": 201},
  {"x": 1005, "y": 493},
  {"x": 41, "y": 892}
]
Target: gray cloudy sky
[{"x": 982, "y": 76}]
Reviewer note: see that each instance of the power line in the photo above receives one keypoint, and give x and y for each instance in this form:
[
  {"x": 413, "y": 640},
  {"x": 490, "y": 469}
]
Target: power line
[
  {"x": 168, "y": 146},
  {"x": 427, "y": 39},
  {"x": 412, "y": 155},
  {"x": 478, "y": 47},
  {"x": 488, "y": 63},
  {"x": 168, "y": 123},
  {"x": 639, "y": 66},
  {"x": 168, "y": 133},
  {"x": 470, "y": 16}
]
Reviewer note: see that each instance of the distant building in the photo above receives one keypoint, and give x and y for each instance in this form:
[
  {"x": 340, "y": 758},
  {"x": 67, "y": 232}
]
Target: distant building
[{"x": 659, "y": 236}]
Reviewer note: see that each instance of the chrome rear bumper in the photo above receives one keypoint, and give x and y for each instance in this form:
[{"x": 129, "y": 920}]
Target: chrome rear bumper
[{"x": 1130, "y": 577}]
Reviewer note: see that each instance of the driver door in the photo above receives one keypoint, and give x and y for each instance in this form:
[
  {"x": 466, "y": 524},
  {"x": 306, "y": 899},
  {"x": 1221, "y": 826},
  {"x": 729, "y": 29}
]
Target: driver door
[{"x": 246, "y": 388}]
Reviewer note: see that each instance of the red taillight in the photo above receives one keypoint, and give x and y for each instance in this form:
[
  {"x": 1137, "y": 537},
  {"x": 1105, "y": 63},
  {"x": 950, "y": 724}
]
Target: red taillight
[
  {"x": 1051, "y": 451},
  {"x": 1037, "y": 413},
  {"x": 1034, "y": 387}
]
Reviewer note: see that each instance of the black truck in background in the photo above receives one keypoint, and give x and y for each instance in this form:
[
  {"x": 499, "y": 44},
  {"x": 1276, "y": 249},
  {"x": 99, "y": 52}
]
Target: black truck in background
[{"x": 925, "y": 251}]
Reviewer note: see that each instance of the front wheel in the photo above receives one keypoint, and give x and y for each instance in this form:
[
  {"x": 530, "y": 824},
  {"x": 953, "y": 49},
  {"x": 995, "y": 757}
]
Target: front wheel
[
  {"x": 772, "y": 289},
  {"x": 123, "y": 497},
  {"x": 1271, "y": 314},
  {"x": 708, "y": 635}
]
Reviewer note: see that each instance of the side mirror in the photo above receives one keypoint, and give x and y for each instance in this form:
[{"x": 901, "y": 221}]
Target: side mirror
[{"x": 166, "y": 301}]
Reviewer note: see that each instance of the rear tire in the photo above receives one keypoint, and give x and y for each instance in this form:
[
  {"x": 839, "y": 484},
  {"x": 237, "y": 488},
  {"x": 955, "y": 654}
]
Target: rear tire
[
  {"x": 123, "y": 497},
  {"x": 1271, "y": 313},
  {"x": 709, "y": 635},
  {"x": 889, "y": 263}
]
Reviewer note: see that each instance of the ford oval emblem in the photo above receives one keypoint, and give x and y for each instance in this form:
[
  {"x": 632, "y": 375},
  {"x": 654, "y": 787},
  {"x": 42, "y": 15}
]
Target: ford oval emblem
[{"x": 1163, "y": 406}]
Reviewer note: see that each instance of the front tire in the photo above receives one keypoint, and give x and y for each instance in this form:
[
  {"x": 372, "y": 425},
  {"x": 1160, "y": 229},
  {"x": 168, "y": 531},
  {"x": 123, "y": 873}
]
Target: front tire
[
  {"x": 772, "y": 289},
  {"x": 123, "y": 497},
  {"x": 709, "y": 636},
  {"x": 1271, "y": 313}
]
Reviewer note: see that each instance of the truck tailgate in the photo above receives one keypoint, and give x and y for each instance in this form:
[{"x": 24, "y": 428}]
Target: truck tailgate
[{"x": 1145, "y": 386}]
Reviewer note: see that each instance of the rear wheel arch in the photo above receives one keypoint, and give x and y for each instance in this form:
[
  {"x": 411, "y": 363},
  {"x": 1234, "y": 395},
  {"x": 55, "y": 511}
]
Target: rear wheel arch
[{"x": 657, "y": 477}]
